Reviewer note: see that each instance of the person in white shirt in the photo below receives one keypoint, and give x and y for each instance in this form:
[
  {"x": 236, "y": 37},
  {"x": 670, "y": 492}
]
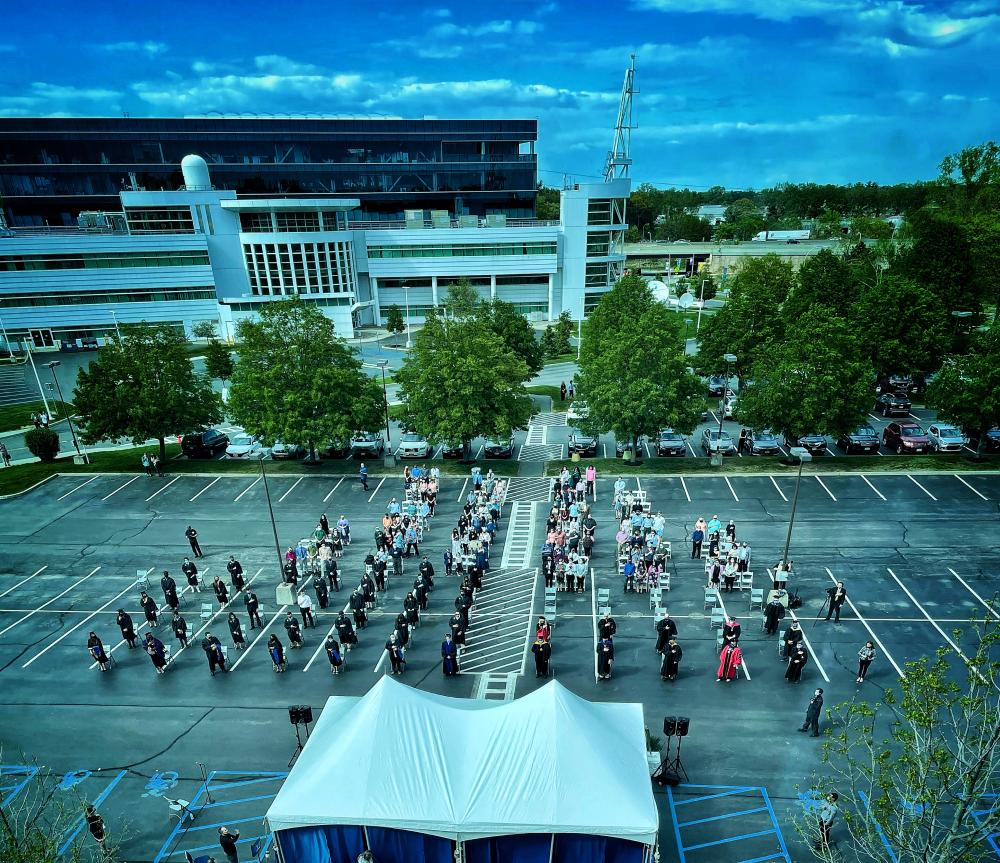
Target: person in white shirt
[{"x": 305, "y": 609}]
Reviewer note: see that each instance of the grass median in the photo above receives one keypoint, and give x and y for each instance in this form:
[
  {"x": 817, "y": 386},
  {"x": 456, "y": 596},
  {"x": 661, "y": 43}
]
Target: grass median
[{"x": 15, "y": 417}]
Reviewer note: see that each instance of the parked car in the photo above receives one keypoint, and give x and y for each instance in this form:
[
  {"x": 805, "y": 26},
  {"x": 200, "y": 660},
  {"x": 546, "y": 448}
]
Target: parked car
[
  {"x": 905, "y": 437},
  {"x": 814, "y": 443},
  {"x": 204, "y": 444},
  {"x": 289, "y": 451},
  {"x": 244, "y": 446},
  {"x": 583, "y": 444},
  {"x": 946, "y": 438},
  {"x": 367, "y": 443},
  {"x": 901, "y": 383},
  {"x": 712, "y": 440},
  {"x": 862, "y": 439},
  {"x": 991, "y": 440},
  {"x": 669, "y": 442},
  {"x": 762, "y": 442},
  {"x": 335, "y": 449},
  {"x": 413, "y": 445},
  {"x": 577, "y": 411},
  {"x": 893, "y": 405},
  {"x": 499, "y": 447},
  {"x": 716, "y": 385},
  {"x": 622, "y": 445},
  {"x": 729, "y": 406},
  {"x": 452, "y": 450}
]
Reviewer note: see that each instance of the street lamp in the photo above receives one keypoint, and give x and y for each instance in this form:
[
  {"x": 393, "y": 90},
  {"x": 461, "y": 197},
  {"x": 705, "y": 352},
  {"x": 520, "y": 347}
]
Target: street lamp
[
  {"x": 270, "y": 509},
  {"x": 406, "y": 293},
  {"x": 385, "y": 401},
  {"x": 687, "y": 327},
  {"x": 69, "y": 414},
  {"x": 730, "y": 360},
  {"x": 803, "y": 455}
]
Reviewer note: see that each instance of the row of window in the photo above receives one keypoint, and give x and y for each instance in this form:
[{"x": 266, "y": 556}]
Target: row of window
[
  {"x": 423, "y": 311},
  {"x": 161, "y": 220},
  {"x": 104, "y": 260},
  {"x": 450, "y": 251},
  {"x": 314, "y": 301},
  {"x": 269, "y": 223},
  {"x": 445, "y": 282},
  {"x": 606, "y": 211},
  {"x": 276, "y": 269},
  {"x": 72, "y": 298}
]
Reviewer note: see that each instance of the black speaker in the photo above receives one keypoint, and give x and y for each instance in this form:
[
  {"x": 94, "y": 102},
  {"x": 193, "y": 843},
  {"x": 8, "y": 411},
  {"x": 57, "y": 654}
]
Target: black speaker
[
  {"x": 670, "y": 725},
  {"x": 682, "y": 726},
  {"x": 663, "y": 775},
  {"x": 300, "y": 714},
  {"x": 306, "y": 712}
]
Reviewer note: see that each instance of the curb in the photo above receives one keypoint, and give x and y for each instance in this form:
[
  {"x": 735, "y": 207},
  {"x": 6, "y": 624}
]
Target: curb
[{"x": 31, "y": 488}]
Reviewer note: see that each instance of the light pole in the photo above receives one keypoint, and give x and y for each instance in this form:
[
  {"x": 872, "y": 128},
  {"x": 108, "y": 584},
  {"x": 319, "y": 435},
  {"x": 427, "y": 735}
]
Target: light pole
[
  {"x": 701, "y": 305},
  {"x": 730, "y": 359},
  {"x": 385, "y": 401},
  {"x": 687, "y": 330},
  {"x": 69, "y": 414},
  {"x": 118, "y": 332},
  {"x": 406, "y": 293},
  {"x": 38, "y": 380},
  {"x": 270, "y": 509},
  {"x": 803, "y": 456}
]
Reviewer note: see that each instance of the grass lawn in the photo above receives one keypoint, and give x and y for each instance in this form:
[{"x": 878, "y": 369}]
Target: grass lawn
[
  {"x": 568, "y": 357},
  {"x": 552, "y": 392},
  {"x": 14, "y": 417}
]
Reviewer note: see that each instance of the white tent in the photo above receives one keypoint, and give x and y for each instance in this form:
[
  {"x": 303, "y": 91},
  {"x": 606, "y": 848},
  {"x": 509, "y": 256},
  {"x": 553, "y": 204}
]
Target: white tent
[{"x": 461, "y": 769}]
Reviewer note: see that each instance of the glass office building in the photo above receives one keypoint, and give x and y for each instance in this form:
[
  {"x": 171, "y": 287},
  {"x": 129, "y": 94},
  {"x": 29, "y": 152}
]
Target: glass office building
[{"x": 51, "y": 169}]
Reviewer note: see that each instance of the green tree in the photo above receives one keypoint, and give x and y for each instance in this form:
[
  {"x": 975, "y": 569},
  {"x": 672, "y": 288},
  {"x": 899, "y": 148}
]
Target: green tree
[
  {"x": 219, "y": 361},
  {"x": 551, "y": 347},
  {"x": 751, "y": 320},
  {"x": 204, "y": 330},
  {"x": 827, "y": 225},
  {"x": 916, "y": 769},
  {"x": 818, "y": 381},
  {"x": 513, "y": 328},
  {"x": 966, "y": 390},
  {"x": 741, "y": 208},
  {"x": 939, "y": 258},
  {"x": 869, "y": 228},
  {"x": 633, "y": 372},
  {"x": 462, "y": 300},
  {"x": 822, "y": 280},
  {"x": 983, "y": 232},
  {"x": 42, "y": 443},
  {"x": 394, "y": 322},
  {"x": 143, "y": 386},
  {"x": 565, "y": 328},
  {"x": 297, "y": 382},
  {"x": 547, "y": 203},
  {"x": 970, "y": 179},
  {"x": 903, "y": 326},
  {"x": 460, "y": 382}
]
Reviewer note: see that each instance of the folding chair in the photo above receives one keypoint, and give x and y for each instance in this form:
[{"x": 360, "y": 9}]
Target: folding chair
[
  {"x": 657, "y": 616},
  {"x": 718, "y": 642},
  {"x": 206, "y": 610},
  {"x": 756, "y": 598},
  {"x": 746, "y": 581},
  {"x": 711, "y": 597},
  {"x": 141, "y": 580},
  {"x": 256, "y": 847},
  {"x": 655, "y": 597},
  {"x": 665, "y": 581},
  {"x": 665, "y": 549},
  {"x": 550, "y": 610},
  {"x": 604, "y": 596},
  {"x": 166, "y": 654},
  {"x": 716, "y": 619}
]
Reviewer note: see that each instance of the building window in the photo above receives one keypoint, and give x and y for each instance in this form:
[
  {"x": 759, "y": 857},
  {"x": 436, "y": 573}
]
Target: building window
[
  {"x": 77, "y": 298},
  {"x": 104, "y": 260},
  {"x": 590, "y": 301},
  {"x": 297, "y": 221},
  {"x": 167, "y": 220},
  {"x": 541, "y": 247},
  {"x": 256, "y": 223},
  {"x": 606, "y": 211},
  {"x": 598, "y": 245},
  {"x": 596, "y": 275},
  {"x": 519, "y": 281},
  {"x": 288, "y": 269}
]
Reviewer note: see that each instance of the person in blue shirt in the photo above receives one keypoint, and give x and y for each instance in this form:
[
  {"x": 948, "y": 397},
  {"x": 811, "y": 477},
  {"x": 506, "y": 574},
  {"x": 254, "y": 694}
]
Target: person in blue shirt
[
  {"x": 363, "y": 476},
  {"x": 629, "y": 573}
]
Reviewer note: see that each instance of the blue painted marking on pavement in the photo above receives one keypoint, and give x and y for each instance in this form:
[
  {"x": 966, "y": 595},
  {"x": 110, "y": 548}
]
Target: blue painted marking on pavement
[
  {"x": 777, "y": 829},
  {"x": 73, "y": 778},
  {"x": 722, "y": 817},
  {"x": 160, "y": 783},
  {"x": 980, "y": 815},
  {"x": 878, "y": 829},
  {"x": 21, "y": 774},
  {"x": 728, "y": 839},
  {"x": 97, "y": 801}
]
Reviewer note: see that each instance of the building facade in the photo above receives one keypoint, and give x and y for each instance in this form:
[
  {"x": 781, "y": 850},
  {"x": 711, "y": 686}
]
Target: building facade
[
  {"x": 51, "y": 169},
  {"x": 205, "y": 254}
]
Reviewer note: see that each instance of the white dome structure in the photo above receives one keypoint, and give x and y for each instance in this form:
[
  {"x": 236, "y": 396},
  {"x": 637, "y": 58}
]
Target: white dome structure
[{"x": 195, "y": 171}]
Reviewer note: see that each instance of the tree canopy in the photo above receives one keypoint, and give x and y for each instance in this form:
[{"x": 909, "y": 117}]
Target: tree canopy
[
  {"x": 515, "y": 331},
  {"x": 460, "y": 381},
  {"x": 822, "y": 280},
  {"x": 141, "y": 386},
  {"x": 462, "y": 299},
  {"x": 219, "y": 360},
  {"x": 394, "y": 322},
  {"x": 296, "y": 382}
]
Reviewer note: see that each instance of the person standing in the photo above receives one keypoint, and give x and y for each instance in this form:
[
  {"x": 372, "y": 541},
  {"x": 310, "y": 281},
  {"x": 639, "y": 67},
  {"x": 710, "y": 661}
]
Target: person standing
[
  {"x": 95, "y": 826},
  {"x": 253, "y": 609},
  {"x": 294, "y": 631},
  {"x": 324, "y": 524},
  {"x": 591, "y": 481},
  {"x": 180, "y": 628},
  {"x": 605, "y": 658},
  {"x": 543, "y": 653},
  {"x": 731, "y": 630},
  {"x": 191, "y": 573},
  {"x": 4, "y": 454},
  {"x": 865, "y": 658},
  {"x": 793, "y": 636},
  {"x": 277, "y": 653},
  {"x": 96, "y": 649},
  {"x": 671, "y": 660},
  {"x": 797, "y": 662},
  {"x": 813, "y": 713},
  {"x": 697, "y": 538},
  {"x": 333, "y": 654},
  {"x": 606, "y": 626},
  {"x": 192, "y": 536},
  {"x": 774, "y": 613},
  {"x": 449, "y": 656},
  {"x": 838, "y": 595},
  {"x": 147, "y": 465},
  {"x": 322, "y": 593},
  {"x": 543, "y": 631},
  {"x": 236, "y": 631},
  {"x": 236, "y": 573},
  {"x": 363, "y": 476},
  {"x": 221, "y": 591},
  {"x": 124, "y": 621},
  {"x": 827, "y": 814},
  {"x": 666, "y": 630},
  {"x": 227, "y": 841},
  {"x": 396, "y": 654},
  {"x": 213, "y": 652},
  {"x": 345, "y": 631},
  {"x": 562, "y": 391},
  {"x": 457, "y": 626},
  {"x": 149, "y": 608},
  {"x": 169, "y": 587},
  {"x": 157, "y": 653},
  {"x": 154, "y": 460},
  {"x": 730, "y": 660},
  {"x": 305, "y": 605}
]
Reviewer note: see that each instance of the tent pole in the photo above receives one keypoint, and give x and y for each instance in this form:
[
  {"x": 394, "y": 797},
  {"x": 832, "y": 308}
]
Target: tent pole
[
  {"x": 552, "y": 847},
  {"x": 364, "y": 831},
  {"x": 277, "y": 845}
]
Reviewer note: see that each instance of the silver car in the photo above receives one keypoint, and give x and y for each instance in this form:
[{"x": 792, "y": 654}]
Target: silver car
[
  {"x": 412, "y": 445},
  {"x": 945, "y": 438},
  {"x": 712, "y": 440}
]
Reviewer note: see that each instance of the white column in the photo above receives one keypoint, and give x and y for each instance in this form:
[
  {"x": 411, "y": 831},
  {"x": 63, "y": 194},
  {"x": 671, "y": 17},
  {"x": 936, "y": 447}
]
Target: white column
[
  {"x": 493, "y": 287},
  {"x": 552, "y": 295},
  {"x": 376, "y": 316},
  {"x": 434, "y": 290}
]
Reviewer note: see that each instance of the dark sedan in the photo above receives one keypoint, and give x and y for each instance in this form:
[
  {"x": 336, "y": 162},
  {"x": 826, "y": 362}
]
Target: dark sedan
[
  {"x": 583, "y": 444},
  {"x": 893, "y": 405},
  {"x": 499, "y": 447},
  {"x": 452, "y": 450},
  {"x": 763, "y": 443},
  {"x": 815, "y": 443},
  {"x": 862, "y": 439},
  {"x": 669, "y": 442}
]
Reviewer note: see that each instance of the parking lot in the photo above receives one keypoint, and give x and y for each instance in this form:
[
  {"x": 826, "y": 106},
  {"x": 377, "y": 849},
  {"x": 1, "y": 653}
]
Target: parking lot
[{"x": 917, "y": 553}]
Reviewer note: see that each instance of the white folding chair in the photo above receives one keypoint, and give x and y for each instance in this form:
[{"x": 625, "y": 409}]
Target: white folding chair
[
  {"x": 206, "y": 610},
  {"x": 711, "y": 597},
  {"x": 665, "y": 581},
  {"x": 655, "y": 597},
  {"x": 716, "y": 619},
  {"x": 756, "y": 598},
  {"x": 657, "y": 616}
]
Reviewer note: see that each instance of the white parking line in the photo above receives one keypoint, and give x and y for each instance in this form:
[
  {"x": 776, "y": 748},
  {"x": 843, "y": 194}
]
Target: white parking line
[
  {"x": 70, "y": 631},
  {"x": 81, "y": 485},
  {"x": 112, "y": 494},
  {"x": 332, "y": 490},
  {"x": 873, "y": 487},
  {"x": 49, "y": 602},
  {"x": 918, "y": 485},
  {"x": 461, "y": 494},
  {"x": 778, "y": 488},
  {"x": 809, "y": 647},
  {"x": 605, "y": 445},
  {"x": 638, "y": 484},
  {"x": 934, "y": 623},
  {"x": 481, "y": 448},
  {"x": 24, "y": 581},
  {"x": 376, "y": 490},
  {"x": 235, "y": 499},
  {"x": 162, "y": 489},
  {"x": 260, "y": 635},
  {"x": 969, "y": 487},
  {"x": 731, "y": 489},
  {"x": 280, "y": 499},
  {"x": 646, "y": 445},
  {"x": 825, "y": 488},
  {"x": 684, "y": 486},
  {"x": 686, "y": 441},
  {"x": 871, "y": 632},
  {"x": 714, "y": 417},
  {"x": 439, "y": 450},
  {"x": 982, "y": 601},
  {"x": 969, "y": 448},
  {"x": 206, "y": 488},
  {"x": 877, "y": 419}
]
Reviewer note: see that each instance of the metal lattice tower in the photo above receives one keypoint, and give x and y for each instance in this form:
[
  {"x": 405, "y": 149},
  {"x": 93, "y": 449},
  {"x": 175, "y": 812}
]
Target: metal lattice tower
[{"x": 619, "y": 158}]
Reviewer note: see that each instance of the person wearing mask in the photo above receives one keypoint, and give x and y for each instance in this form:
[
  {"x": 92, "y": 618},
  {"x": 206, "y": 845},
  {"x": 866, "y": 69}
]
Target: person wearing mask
[
  {"x": 605, "y": 658},
  {"x": 543, "y": 653},
  {"x": 96, "y": 649},
  {"x": 730, "y": 661},
  {"x": 236, "y": 573},
  {"x": 213, "y": 653},
  {"x": 671, "y": 660},
  {"x": 697, "y": 538},
  {"x": 221, "y": 591},
  {"x": 345, "y": 631},
  {"x": 813, "y": 712},
  {"x": 827, "y": 815},
  {"x": 149, "y": 608},
  {"x": 333, "y": 654},
  {"x": 796, "y": 664},
  {"x": 156, "y": 651},
  {"x": 305, "y": 605},
  {"x": 865, "y": 658},
  {"x": 731, "y": 630},
  {"x": 793, "y": 636},
  {"x": 191, "y": 574},
  {"x": 774, "y": 613},
  {"x": 276, "y": 651},
  {"x": 449, "y": 656},
  {"x": 192, "y": 536},
  {"x": 666, "y": 629},
  {"x": 606, "y": 626},
  {"x": 294, "y": 631},
  {"x": 236, "y": 631},
  {"x": 396, "y": 653}
]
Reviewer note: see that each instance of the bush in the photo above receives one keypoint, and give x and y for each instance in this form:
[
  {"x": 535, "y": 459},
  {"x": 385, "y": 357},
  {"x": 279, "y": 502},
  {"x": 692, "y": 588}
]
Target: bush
[{"x": 43, "y": 443}]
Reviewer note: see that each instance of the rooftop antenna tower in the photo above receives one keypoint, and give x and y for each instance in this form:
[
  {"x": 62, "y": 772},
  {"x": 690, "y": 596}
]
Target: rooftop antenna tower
[{"x": 619, "y": 158}]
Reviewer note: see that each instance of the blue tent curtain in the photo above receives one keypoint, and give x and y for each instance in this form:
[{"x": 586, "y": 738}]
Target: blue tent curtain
[
  {"x": 329, "y": 844},
  {"x": 405, "y": 846},
  {"x": 526, "y": 848},
  {"x": 623, "y": 851}
]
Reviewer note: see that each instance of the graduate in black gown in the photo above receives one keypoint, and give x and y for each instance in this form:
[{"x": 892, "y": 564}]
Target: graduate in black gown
[
  {"x": 543, "y": 652},
  {"x": 671, "y": 660},
  {"x": 797, "y": 661},
  {"x": 793, "y": 635},
  {"x": 665, "y": 630},
  {"x": 774, "y": 613},
  {"x": 96, "y": 649},
  {"x": 606, "y": 626},
  {"x": 457, "y": 626},
  {"x": 396, "y": 654},
  {"x": 358, "y": 607},
  {"x": 449, "y": 656},
  {"x": 236, "y": 631},
  {"x": 213, "y": 653},
  {"x": 156, "y": 652},
  {"x": 124, "y": 621},
  {"x": 605, "y": 658},
  {"x": 333, "y": 654},
  {"x": 276, "y": 651},
  {"x": 149, "y": 608},
  {"x": 345, "y": 631}
]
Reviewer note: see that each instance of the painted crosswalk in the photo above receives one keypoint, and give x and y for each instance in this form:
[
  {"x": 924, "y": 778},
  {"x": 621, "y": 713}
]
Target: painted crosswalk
[
  {"x": 543, "y": 452},
  {"x": 520, "y": 528},
  {"x": 549, "y": 418},
  {"x": 523, "y": 488},
  {"x": 499, "y": 632},
  {"x": 495, "y": 686}
]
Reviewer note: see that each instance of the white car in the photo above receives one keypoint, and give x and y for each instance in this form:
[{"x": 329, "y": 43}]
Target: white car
[
  {"x": 244, "y": 446},
  {"x": 577, "y": 411},
  {"x": 412, "y": 445},
  {"x": 946, "y": 438},
  {"x": 729, "y": 406}
]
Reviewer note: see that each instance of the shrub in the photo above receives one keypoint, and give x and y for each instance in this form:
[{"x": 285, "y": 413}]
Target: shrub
[{"x": 43, "y": 443}]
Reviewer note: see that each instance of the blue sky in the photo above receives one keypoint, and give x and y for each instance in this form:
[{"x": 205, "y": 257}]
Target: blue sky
[{"x": 740, "y": 93}]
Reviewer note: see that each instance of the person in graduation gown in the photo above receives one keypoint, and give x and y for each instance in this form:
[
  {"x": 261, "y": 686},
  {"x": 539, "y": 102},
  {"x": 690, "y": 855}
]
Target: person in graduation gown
[
  {"x": 420, "y": 593},
  {"x": 96, "y": 650},
  {"x": 402, "y": 630},
  {"x": 333, "y": 654},
  {"x": 253, "y": 609},
  {"x": 345, "y": 630},
  {"x": 180, "y": 629},
  {"x": 236, "y": 631},
  {"x": 412, "y": 609},
  {"x": 277, "y": 653},
  {"x": 671, "y": 660},
  {"x": 426, "y": 571},
  {"x": 543, "y": 632},
  {"x": 666, "y": 629},
  {"x": 358, "y": 607},
  {"x": 157, "y": 653},
  {"x": 793, "y": 635},
  {"x": 796, "y": 662},
  {"x": 191, "y": 573},
  {"x": 124, "y": 621},
  {"x": 169, "y": 587},
  {"x": 457, "y": 626},
  {"x": 606, "y": 626},
  {"x": 294, "y": 631},
  {"x": 236, "y": 573},
  {"x": 221, "y": 591},
  {"x": 774, "y": 613},
  {"x": 543, "y": 652},
  {"x": 396, "y": 654},
  {"x": 213, "y": 653},
  {"x": 449, "y": 656},
  {"x": 729, "y": 662},
  {"x": 605, "y": 658},
  {"x": 731, "y": 630},
  {"x": 322, "y": 593},
  {"x": 149, "y": 608}
]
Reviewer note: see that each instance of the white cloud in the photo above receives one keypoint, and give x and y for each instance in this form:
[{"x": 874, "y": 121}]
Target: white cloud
[
  {"x": 772, "y": 10},
  {"x": 529, "y": 28},
  {"x": 547, "y": 9},
  {"x": 821, "y": 123},
  {"x": 282, "y": 65},
  {"x": 149, "y": 47},
  {"x": 707, "y": 51},
  {"x": 437, "y": 13},
  {"x": 878, "y": 46},
  {"x": 45, "y": 91}
]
